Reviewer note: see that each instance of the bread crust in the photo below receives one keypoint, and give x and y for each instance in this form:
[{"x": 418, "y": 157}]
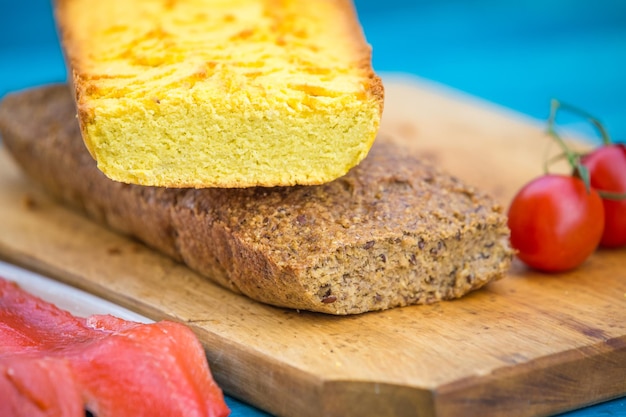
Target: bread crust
[{"x": 394, "y": 231}]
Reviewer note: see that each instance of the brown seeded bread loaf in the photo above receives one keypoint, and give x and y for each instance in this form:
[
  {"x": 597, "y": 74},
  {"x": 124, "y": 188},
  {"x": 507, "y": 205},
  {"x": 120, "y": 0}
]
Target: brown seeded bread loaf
[
  {"x": 221, "y": 93},
  {"x": 394, "y": 231}
]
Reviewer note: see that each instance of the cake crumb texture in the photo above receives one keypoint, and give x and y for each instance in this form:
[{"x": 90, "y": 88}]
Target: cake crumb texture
[{"x": 221, "y": 93}]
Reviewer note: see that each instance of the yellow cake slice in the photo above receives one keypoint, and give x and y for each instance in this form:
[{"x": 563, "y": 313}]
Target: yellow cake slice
[{"x": 221, "y": 93}]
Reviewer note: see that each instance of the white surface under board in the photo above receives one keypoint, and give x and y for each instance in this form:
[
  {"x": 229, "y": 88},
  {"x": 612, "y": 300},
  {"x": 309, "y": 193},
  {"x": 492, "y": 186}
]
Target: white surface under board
[{"x": 77, "y": 302}]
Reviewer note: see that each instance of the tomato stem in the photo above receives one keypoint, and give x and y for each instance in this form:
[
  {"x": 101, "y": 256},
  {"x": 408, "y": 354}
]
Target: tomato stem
[
  {"x": 609, "y": 195},
  {"x": 573, "y": 158},
  {"x": 549, "y": 160},
  {"x": 604, "y": 134}
]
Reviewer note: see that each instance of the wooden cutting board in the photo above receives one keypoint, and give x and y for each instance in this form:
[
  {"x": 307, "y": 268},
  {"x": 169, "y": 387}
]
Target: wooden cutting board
[{"x": 528, "y": 345}]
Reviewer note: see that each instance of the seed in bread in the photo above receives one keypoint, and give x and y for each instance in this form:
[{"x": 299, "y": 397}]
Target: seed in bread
[
  {"x": 394, "y": 231},
  {"x": 221, "y": 93}
]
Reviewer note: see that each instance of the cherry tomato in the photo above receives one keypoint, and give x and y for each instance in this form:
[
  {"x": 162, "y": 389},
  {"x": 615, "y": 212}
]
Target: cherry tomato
[
  {"x": 607, "y": 171},
  {"x": 555, "y": 222}
]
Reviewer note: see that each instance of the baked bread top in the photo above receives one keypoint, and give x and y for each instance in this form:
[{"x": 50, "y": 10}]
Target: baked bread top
[
  {"x": 221, "y": 93},
  {"x": 394, "y": 231}
]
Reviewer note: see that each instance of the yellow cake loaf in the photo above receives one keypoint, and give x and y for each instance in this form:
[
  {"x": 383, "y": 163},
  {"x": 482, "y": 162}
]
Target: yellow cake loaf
[{"x": 221, "y": 93}]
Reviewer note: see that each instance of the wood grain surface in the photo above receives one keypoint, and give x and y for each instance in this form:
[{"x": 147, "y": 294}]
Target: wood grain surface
[{"x": 528, "y": 345}]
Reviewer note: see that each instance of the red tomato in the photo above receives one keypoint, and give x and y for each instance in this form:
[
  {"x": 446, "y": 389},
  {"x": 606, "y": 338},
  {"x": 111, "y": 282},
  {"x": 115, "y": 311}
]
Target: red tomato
[
  {"x": 607, "y": 171},
  {"x": 555, "y": 222}
]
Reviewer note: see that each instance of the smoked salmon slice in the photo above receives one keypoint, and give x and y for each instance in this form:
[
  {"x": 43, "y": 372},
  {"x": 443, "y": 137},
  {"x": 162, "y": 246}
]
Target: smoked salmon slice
[{"x": 55, "y": 364}]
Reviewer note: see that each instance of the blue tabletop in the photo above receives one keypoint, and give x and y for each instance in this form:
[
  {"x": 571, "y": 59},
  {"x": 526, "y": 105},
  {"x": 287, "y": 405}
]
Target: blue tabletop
[{"x": 517, "y": 54}]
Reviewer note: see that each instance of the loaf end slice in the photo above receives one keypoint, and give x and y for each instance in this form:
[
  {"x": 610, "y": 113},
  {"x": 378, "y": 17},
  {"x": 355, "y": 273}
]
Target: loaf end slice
[
  {"x": 212, "y": 93},
  {"x": 394, "y": 231}
]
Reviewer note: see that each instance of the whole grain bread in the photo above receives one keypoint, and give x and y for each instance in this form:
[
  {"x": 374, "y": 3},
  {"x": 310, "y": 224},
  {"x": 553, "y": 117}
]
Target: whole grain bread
[
  {"x": 394, "y": 231},
  {"x": 214, "y": 93}
]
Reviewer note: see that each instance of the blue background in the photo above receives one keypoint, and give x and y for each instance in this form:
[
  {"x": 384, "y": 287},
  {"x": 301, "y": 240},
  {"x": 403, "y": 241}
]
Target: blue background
[{"x": 517, "y": 54}]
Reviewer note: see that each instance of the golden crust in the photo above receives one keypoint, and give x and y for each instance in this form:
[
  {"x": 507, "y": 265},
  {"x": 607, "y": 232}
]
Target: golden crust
[{"x": 266, "y": 93}]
